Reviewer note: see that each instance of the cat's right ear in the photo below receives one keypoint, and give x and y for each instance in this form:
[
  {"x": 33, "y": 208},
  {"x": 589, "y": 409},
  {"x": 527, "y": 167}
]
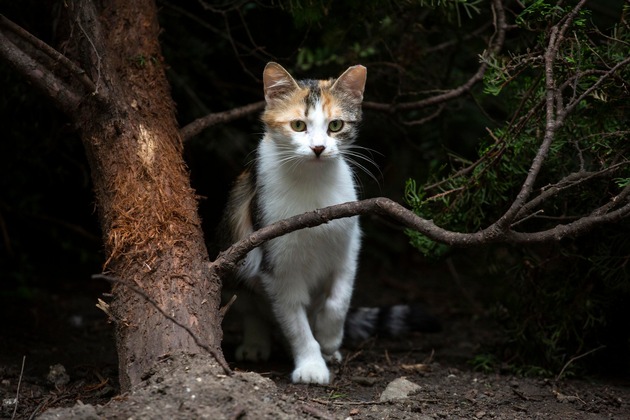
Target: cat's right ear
[
  {"x": 352, "y": 82},
  {"x": 277, "y": 82}
]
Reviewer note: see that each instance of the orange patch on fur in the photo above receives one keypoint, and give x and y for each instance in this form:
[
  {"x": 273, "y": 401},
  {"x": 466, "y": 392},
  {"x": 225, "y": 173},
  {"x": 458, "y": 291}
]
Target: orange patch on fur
[
  {"x": 241, "y": 219},
  {"x": 292, "y": 108},
  {"x": 330, "y": 105}
]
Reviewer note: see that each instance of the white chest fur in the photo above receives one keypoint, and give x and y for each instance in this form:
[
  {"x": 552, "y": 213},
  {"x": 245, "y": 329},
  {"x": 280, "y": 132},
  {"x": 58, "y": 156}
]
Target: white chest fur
[{"x": 293, "y": 188}]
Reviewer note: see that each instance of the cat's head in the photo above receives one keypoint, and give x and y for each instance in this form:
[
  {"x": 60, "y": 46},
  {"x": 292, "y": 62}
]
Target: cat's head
[{"x": 313, "y": 119}]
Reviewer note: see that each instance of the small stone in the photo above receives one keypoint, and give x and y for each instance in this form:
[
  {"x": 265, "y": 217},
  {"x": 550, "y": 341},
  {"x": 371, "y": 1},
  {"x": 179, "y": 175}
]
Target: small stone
[{"x": 399, "y": 389}]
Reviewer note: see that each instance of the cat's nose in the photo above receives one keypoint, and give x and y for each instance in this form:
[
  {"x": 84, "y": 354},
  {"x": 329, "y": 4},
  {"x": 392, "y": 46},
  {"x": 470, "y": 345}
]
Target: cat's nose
[{"x": 318, "y": 150}]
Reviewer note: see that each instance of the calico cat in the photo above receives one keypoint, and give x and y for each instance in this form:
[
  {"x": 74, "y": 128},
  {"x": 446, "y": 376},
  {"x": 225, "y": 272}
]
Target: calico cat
[
  {"x": 305, "y": 277},
  {"x": 303, "y": 281}
]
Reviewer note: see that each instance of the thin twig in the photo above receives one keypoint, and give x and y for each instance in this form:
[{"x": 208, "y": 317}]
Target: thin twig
[
  {"x": 227, "y": 306},
  {"x": 527, "y": 217},
  {"x": 148, "y": 299},
  {"x": 573, "y": 359},
  {"x": 594, "y": 86},
  {"x": 53, "y": 87},
  {"x": 200, "y": 124},
  {"x": 619, "y": 198},
  {"x": 572, "y": 180},
  {"x": 51, "y": 52},
  {"x": 426, "y": 119},
  {"x": 17, "y": 393},
  {"x": 98, "y": 56},
  {"x": 320, "y": 401},
  {"x": 494, "y": 46},
  {"x": 315, "y": 412}
]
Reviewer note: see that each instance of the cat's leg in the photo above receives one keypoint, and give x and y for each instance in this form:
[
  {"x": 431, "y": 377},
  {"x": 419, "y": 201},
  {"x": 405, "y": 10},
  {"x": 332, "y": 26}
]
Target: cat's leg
[
  {"x": 290, "y": 309},
  {"x": 310, "y": 366},
  {"x": 331, "y": 316},
  {"x": 256, "y": 344},
  {"x": 329, "y": 320}
]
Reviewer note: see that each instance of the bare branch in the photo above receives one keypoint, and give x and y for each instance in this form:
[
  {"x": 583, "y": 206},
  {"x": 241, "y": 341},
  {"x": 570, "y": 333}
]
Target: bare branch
[
  {"x": 61, "y": 93},
  {"x": 553, "y": 120},
  {"x": 227, "y": 260},
  {"x": 51, "y": 52},
  {"x": 495, "y": 45},
  {"x": 433, "y": 100},
  {"x": 569, "y": 181},
  {"x": 428, "y": 118},
  {"x": 594, "y": 86},
  {"x": 200, "y": 124},
  {"x": 619, "y": 198}
]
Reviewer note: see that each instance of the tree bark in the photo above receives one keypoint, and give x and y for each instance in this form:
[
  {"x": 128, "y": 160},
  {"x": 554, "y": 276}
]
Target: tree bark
[{"x": 147, "y": 208}]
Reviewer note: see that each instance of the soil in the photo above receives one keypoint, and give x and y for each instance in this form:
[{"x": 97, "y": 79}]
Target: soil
[{"x": 57, "y": 358}]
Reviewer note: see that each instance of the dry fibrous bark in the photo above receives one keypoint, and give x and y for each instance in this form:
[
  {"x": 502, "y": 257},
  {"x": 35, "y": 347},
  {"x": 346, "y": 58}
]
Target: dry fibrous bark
[{"x": 111, "y": 83}]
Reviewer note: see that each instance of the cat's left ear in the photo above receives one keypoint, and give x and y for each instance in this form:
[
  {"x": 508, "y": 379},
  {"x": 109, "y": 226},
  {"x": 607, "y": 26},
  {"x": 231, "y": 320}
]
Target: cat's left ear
[{"x": 352, "y": 82}]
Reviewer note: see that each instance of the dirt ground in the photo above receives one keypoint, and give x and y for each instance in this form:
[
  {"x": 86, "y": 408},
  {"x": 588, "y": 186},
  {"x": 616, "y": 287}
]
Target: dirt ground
[{"x": 69, "y": 369}]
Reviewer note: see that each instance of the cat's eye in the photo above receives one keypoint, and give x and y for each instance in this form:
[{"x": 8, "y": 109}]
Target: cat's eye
[
  {"x": 335, "y": 125},
  {"x": 298, "y": 125}
]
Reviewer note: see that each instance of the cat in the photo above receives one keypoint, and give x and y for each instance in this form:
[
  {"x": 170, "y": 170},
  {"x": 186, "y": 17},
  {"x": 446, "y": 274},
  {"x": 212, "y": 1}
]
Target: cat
[
  {"x": 303, "y": 281},
  {"x": 305, "y": 277}
]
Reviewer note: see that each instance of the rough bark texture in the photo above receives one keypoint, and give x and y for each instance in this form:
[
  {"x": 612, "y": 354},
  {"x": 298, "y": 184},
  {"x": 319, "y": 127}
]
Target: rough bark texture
[{"x": 147, "y": 209}]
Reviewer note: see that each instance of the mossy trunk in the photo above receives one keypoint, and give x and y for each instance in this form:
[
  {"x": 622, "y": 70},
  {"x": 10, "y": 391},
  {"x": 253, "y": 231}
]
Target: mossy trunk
[{"x": 146, "y": 206}]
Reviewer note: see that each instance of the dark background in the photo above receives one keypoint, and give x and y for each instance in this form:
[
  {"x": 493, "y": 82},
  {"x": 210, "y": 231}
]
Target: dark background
[
  {"x": 214, "y": 61},
  {"x": 50, "y": 241}
]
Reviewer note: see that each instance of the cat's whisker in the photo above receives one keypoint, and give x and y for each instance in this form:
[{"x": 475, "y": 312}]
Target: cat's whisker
[
  {"x": 359, "y": 149},
  {"x": 287, "y": 159},
  {"x": 352, "y": 157},
  {"x": 251, "y": 158},
  {"x": 363, "y": 168},
  {"x": 294, "y": 163},
  {"x": 367, "y": 149},
  {"x": 360, "y": 156}
]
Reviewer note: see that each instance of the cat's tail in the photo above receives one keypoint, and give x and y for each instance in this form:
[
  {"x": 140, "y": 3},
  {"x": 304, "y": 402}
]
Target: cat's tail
[{"x": 388, "y": 321}]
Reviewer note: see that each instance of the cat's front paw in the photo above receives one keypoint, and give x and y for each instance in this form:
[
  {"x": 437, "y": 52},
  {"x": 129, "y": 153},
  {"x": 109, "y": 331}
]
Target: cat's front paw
[
  {"x": 253, "y": 352},
  {"x": 312, "y": 371}
]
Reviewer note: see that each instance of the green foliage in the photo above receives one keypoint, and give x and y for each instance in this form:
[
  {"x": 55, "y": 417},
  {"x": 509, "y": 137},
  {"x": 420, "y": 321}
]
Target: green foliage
[
  {"x": 484, "y": 362},
  {"x": 454, "y": 8},
  {"x": 594, "y": 138},
  {"x": 307, "y": 12},
  {"x": 563, "y": 300},
  {"x": 307, "y": 57},
  {"x": 622, "y": 182},
  {"x": 310, "y": 12}
]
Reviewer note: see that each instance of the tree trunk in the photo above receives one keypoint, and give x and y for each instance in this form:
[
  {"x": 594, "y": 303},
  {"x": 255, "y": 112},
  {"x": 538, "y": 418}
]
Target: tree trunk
[{"x": 147, "y": 208}]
